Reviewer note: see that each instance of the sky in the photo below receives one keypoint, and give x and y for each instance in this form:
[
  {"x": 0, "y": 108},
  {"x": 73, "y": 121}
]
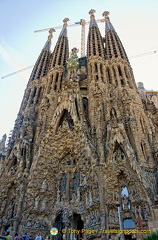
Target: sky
[{"x": 135, "y": 21}]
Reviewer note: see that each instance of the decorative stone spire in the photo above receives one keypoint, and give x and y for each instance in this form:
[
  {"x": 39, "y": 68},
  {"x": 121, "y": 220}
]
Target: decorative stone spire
[
  {"x": 42, "y": 64},
  {"x": 114, "y": 47},
  {"x": 64, "y": 30},
  {"x": 108, "y": 24},
  {"x": 48, "y": 43},
  {"x": 92, "y": 18},
  {"x": 61, "y": 50},
  {"x": 95, "y": 41}
]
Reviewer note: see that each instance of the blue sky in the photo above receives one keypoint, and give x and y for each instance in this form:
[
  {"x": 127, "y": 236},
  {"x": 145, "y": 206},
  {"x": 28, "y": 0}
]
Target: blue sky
[{"x": 136, "y": 22}]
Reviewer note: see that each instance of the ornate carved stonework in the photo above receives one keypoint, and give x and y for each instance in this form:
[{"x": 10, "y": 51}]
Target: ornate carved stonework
[{"x": 84, "y": 146}]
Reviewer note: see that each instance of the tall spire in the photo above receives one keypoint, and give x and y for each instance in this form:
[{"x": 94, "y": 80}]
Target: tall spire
[
  {"x": 95, "y": 40},
  {"x": 64, "y": 30},
  {"x": 48, "y": 43},
  {"x": 113, "y": 45},
  {"x": 42, "y": 64},
  {"x": 61, "y": 50},
  {"x": 92, "y": 18},
  {"x": 108, "y": 25}
]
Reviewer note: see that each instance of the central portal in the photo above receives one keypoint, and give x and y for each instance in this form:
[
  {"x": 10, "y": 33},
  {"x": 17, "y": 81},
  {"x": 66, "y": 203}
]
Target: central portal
[{"x": 76, "y": 224}]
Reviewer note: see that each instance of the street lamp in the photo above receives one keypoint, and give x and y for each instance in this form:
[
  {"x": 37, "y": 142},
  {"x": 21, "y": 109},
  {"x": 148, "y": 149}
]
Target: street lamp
[{"x": 119, "y": 218}]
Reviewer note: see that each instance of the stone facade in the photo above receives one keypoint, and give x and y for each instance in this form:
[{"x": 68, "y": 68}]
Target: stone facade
[{"x": 84, "y": 146}]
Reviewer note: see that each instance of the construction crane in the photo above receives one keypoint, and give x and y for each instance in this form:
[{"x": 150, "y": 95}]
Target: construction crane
[
  {"x": 143, "y": 54},
  {"x": 83, "y": 24},
  {"x": 21, "y": 70}
]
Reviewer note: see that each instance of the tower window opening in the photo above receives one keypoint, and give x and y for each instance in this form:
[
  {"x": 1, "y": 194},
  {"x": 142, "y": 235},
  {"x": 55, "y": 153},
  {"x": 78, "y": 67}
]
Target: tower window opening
[
  {"x": 96, "y": 77},
  {"x": 114, "y": 72},
  {"x": 119, "y": 70},
  {"x": 77, "y": 108},
  {"x": 101, "y": 68},
  {"x": 39, "y": 94},
  {"x": 63, "y": 182},
  {"x": 122, "y": 82},
  {"x": 15, "y": 161},
  {"x": 85, "y": 108},
  {"x": 56, "y": 81},
  {"x": 23, "y": 152},
  {"x": 126, "y": 73},
  {"x": 96, "y": 67},
  {"x": 61, "y": 78},
  {"x": 76, "y": 181},
  {"x": 34, "y": 93},
  {"x": 109, "y": 75}
]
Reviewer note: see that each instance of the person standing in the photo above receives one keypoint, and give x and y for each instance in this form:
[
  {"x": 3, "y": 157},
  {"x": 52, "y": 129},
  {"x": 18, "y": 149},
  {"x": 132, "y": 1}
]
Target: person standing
[
  {"x": 38, "y": 237},
  {"x": 16, "y": 237},
  {"x": 25, "y": 236},
  {"x": 8, "y": 236}
]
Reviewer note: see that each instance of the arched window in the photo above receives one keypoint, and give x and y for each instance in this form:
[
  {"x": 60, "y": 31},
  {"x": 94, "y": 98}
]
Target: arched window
[
  {"x": 108, "y": 74},
  {"x": 101, "y": 68},
  {"x": 56, "y": 81},
  {"x": 96, "y": 67},
  {"x": 63, "y": 182},
  {"x": 120, "y": 71},
  {"x": 76, "y": 180}
]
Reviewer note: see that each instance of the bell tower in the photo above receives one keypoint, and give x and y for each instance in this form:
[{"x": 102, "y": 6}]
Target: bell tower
[{"x": 83, "y": 153}]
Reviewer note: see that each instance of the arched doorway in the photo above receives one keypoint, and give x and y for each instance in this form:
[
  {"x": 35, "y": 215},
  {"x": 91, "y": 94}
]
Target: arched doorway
[
  {"x": 59, "y": 225},
  {"x": 76, "y": 224},
  {"x": 128, "y": 224}
]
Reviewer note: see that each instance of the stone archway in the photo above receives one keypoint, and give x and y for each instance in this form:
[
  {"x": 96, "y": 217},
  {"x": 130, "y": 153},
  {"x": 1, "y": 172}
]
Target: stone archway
[
  {"x": 76, "y": 224},
  {"x": 59, "y": 225}
]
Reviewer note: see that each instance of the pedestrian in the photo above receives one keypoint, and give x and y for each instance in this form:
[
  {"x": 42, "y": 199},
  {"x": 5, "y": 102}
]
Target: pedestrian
[
  {"x": 25, "y": 236},
  {"x": 8, "y": 236},
  {"x": 110, "y": 237},
  {"x": 16, "y": 237},
  {"x": 38, "y": 237}
]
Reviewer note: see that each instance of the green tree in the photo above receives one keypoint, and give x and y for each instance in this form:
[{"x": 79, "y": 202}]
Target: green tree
[{"x": 152, "y": 236}]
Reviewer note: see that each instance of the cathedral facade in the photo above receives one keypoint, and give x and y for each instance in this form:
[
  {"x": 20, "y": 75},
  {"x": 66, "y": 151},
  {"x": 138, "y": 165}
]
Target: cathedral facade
[{"x": 83, "y": 152}]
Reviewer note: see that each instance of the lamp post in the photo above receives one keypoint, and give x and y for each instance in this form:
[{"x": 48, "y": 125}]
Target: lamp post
[{"x": 119, "y": 218}]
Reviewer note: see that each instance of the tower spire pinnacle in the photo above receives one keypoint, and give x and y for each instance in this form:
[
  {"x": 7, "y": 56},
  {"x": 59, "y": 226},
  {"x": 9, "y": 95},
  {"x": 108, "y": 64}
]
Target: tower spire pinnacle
[
  {"x": 92, "y": 18},
  {"x": 108, "y": 25},
  {"x": 48, "y": 43},
  {"x": 114, "y": 47},
  {"x": 64, "y": 30}
]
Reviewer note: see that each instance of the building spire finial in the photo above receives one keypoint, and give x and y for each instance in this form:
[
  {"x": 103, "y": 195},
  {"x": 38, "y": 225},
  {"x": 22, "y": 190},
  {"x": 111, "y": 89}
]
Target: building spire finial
[
  {"x": 51, "y": 33},
  {"x": 108, "y": 25},
  {"x": 92, "y": 18},
  {"x": 65, "y": 21},
  {"x": 105, "y": 14},
  {"x": 64, "y": 30},
  {"x": 91, "y": 13}
]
